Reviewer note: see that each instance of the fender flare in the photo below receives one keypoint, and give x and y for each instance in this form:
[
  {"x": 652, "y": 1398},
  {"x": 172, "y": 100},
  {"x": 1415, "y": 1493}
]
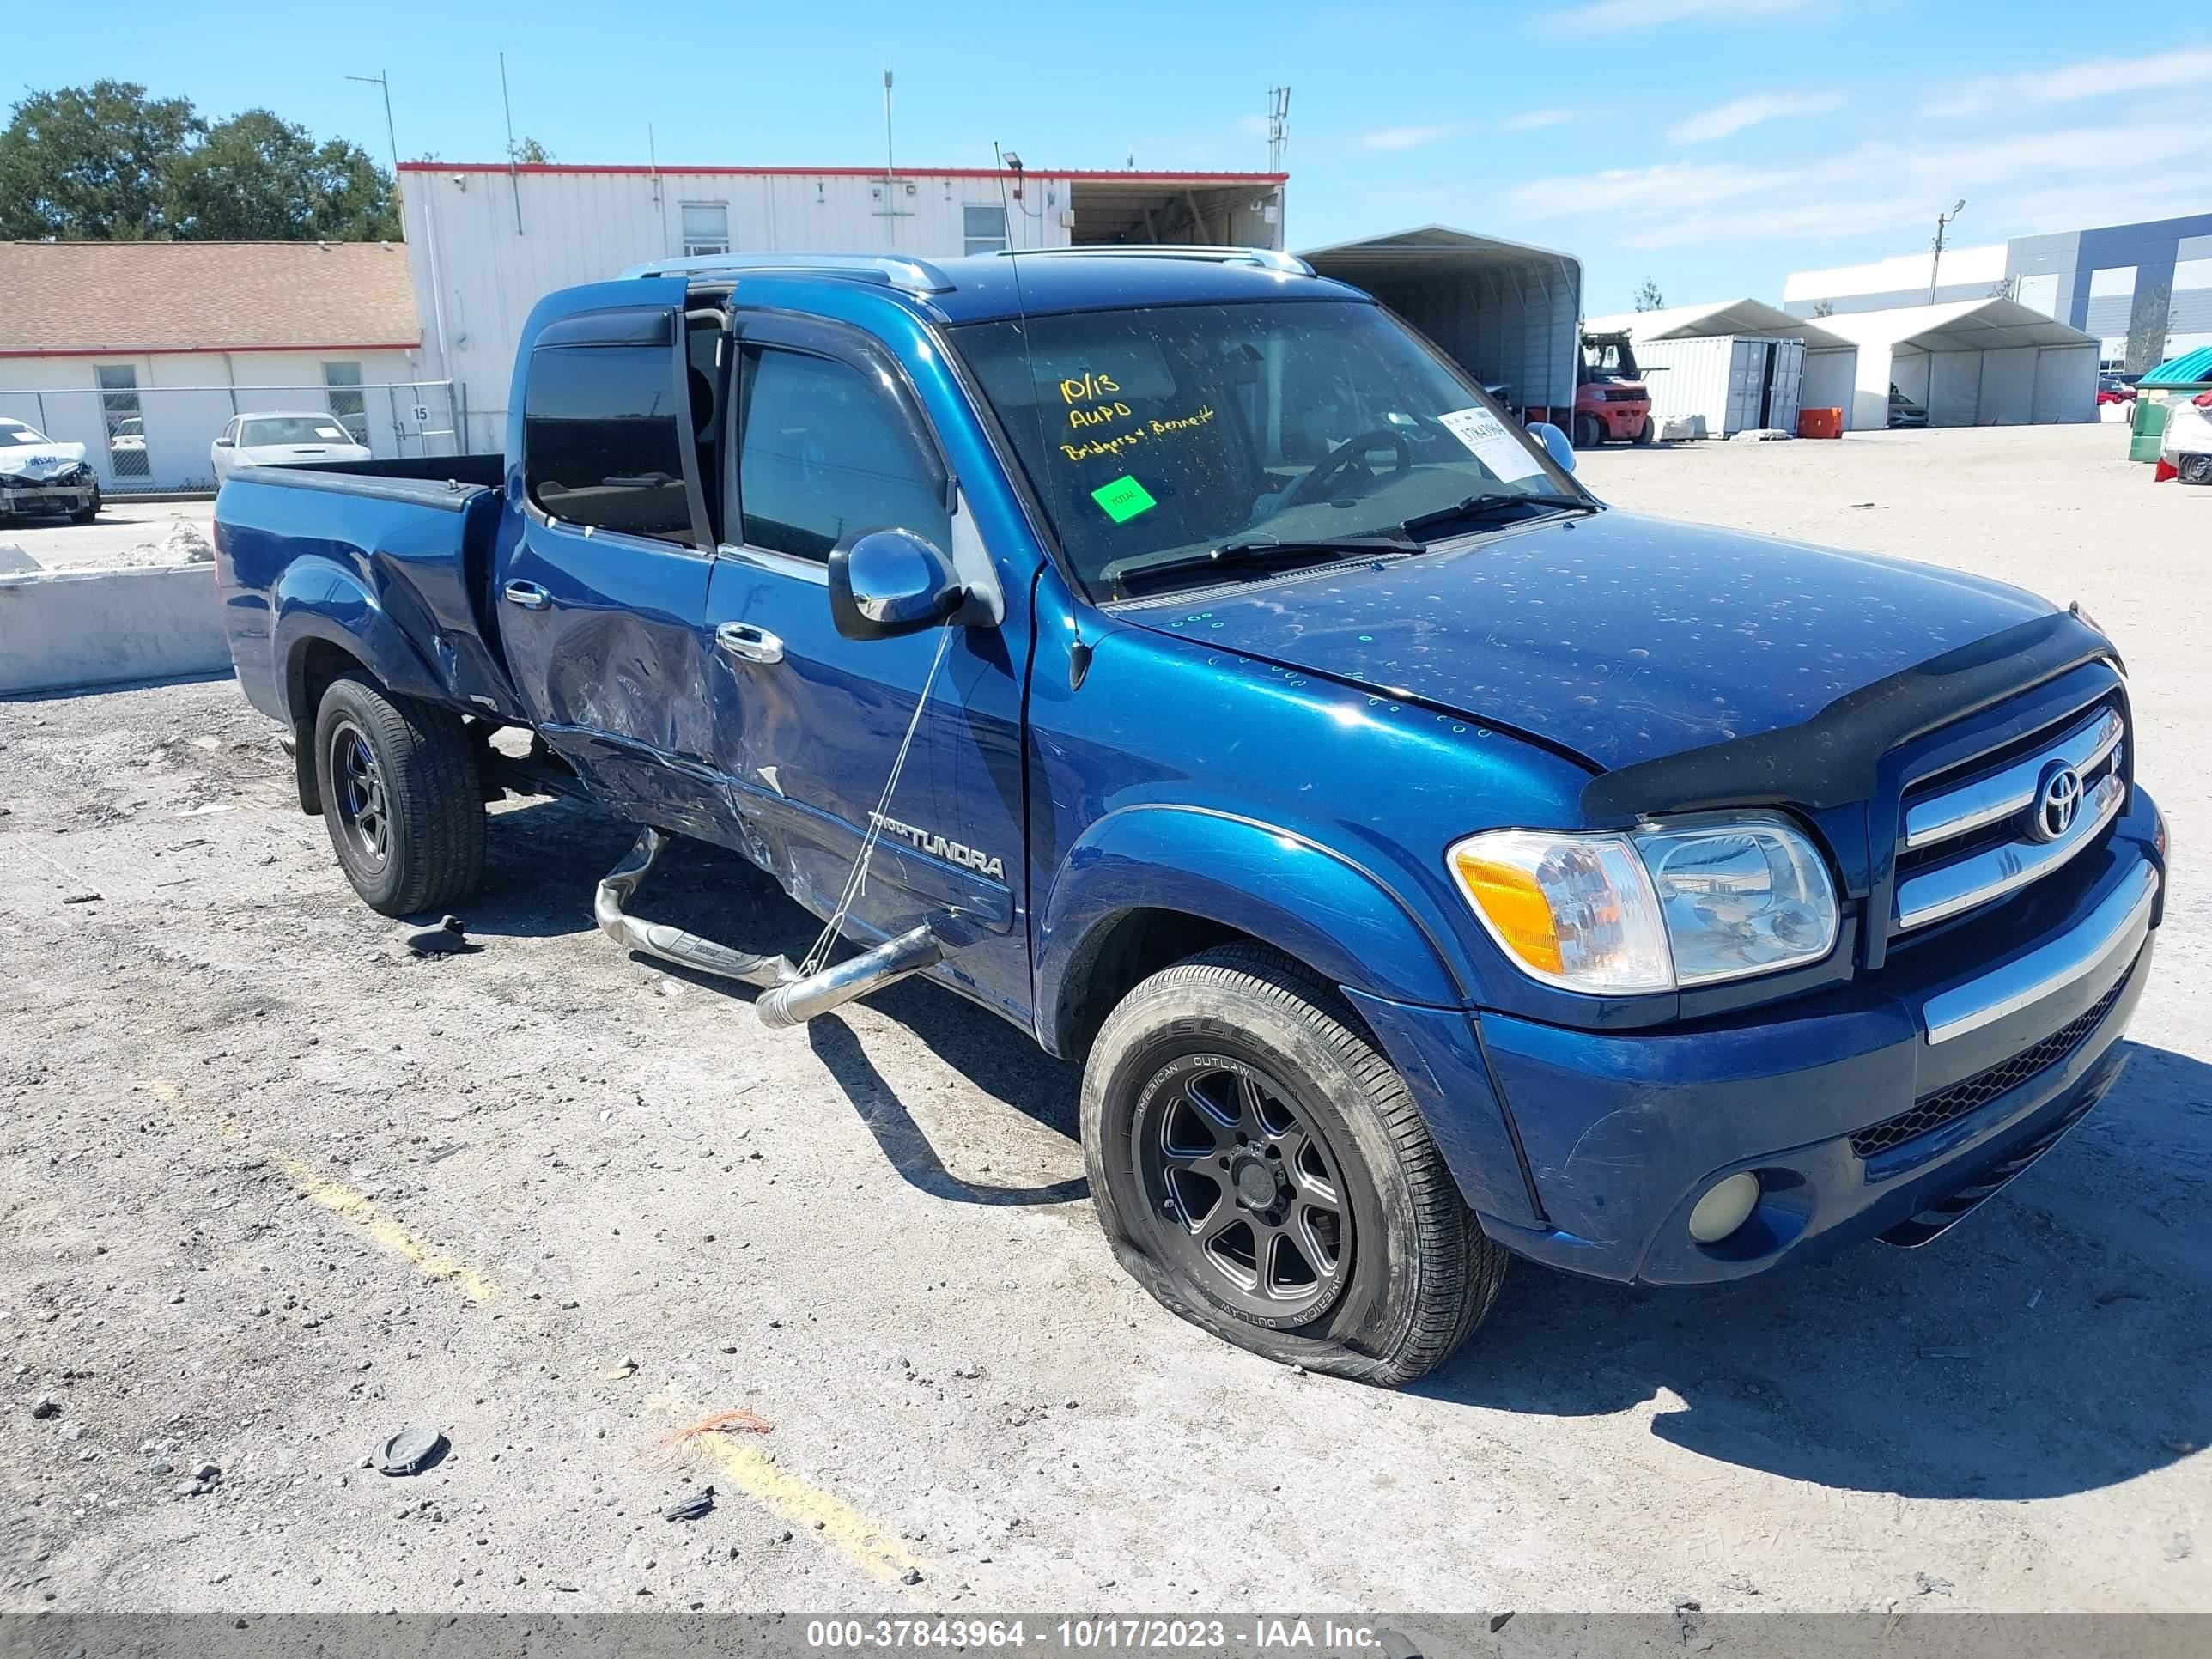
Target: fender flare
[
  {"x": 1275, "y": 885},
  {"x": 319, "y": 598}
]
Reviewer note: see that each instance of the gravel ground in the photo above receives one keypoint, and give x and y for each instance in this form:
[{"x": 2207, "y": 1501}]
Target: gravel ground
[{"x": 272, "y": 1189}]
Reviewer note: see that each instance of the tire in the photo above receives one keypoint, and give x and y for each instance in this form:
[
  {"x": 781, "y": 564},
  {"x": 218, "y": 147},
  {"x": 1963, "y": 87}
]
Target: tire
[
  {"x": 1645, "y": 433},
  {"x": 2195, "y": 470},
  {"x": 400, "y": 798},
  {"x": 1412, "y": 1273},
  {"x": 90, "y": 511},
  {"x": 1588, "y": 433}
]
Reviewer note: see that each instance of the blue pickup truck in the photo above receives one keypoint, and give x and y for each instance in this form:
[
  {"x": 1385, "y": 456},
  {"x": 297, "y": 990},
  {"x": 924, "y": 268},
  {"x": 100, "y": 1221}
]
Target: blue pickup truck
[{"x": 1173, "y": 653}]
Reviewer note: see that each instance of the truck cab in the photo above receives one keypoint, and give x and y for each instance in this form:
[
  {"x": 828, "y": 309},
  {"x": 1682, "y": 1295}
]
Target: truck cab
[
  {"x": 1173, "y": 655},
  {"x": 1612, "y": 403}
]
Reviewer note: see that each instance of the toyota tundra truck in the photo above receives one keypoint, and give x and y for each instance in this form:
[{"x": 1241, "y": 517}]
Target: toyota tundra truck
[{"x": 1173, "y": 655}]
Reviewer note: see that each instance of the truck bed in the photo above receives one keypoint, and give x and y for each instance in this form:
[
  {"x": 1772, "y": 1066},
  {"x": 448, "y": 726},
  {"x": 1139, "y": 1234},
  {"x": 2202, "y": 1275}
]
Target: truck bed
[{"x": 394, "y": 556}]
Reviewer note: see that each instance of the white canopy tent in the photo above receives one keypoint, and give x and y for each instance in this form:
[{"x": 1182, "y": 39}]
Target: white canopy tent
[
  {"x": 1504, "y": 311},
  {"x": 1739, "y": 363},
  {"x": 1972, "y": 363}
]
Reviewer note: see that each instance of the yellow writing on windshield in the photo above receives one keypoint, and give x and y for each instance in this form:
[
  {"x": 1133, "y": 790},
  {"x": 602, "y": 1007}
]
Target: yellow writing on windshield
[
  {"x": 1095, "y": 448},
  {"x": 1088, "y": 390}
]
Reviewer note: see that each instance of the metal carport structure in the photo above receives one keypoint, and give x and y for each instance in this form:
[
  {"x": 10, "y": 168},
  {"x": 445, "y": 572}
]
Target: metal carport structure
[
  {"x": 1505, "y": 312},
  {"x": 1972, "y": 363}
]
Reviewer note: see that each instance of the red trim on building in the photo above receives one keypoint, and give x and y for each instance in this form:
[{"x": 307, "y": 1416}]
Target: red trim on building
[
  {"x": 198, "y": 350},
  {"x": 909, "y": 174}
]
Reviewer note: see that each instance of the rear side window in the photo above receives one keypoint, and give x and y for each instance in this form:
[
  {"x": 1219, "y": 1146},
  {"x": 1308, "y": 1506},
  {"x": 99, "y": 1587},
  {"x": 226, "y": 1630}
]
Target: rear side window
[
  {"x": 826, "y": 450},
  {"x": 600, "y": 440}
]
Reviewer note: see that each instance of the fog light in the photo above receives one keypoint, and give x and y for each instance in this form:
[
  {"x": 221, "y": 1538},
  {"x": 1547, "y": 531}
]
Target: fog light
[{"x": 1724, "y": 1209}]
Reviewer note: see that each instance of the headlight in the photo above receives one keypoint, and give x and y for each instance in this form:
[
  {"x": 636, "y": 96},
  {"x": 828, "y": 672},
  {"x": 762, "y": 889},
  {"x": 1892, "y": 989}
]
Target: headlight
[{"x": 1687, "y": 904}]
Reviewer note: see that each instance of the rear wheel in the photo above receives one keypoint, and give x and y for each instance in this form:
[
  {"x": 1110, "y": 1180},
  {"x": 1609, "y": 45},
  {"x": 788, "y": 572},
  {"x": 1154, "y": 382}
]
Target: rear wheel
[
  {"x": 400, "y": 798},
  {"x": 2195, "y": 469},
  {"x": 1260, "y": 1168},
  {"x": 1645, "y": 433},
  {"x": 1589, "y": 432}
]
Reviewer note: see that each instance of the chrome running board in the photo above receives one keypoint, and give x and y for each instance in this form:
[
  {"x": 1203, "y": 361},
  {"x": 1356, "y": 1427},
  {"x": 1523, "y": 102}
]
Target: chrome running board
[
  {"x": 657, "y": 939},
  {"x": 800, "y": 1001}
]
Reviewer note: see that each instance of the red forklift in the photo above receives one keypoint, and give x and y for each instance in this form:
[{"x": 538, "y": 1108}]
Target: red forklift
[{"x": 1612, "y": 403}]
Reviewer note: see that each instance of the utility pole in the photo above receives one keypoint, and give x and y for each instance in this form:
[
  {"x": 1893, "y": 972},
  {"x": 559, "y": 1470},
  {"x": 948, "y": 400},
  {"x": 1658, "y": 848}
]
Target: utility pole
[
  {"x": 890, "y": 172},
  {"x": 514, "y": 172},
  {"x": 391, "y": 137},
  {"x": 1942, "y": 223},
  {"x": 1279, "y": 120}
]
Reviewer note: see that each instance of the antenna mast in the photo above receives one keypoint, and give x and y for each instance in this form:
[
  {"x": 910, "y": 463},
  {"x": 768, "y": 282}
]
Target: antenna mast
[{"x": 1278, "y": 126}]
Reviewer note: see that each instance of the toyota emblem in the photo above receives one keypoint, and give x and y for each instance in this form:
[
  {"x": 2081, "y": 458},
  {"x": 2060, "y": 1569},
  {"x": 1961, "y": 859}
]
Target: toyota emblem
[{"x": 2058, "y": 799}]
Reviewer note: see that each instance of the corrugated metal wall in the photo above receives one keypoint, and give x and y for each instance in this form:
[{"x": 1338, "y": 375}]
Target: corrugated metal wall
[
  {"x": 1516, "y": 325},
  {"x": 486, "y": 246}
]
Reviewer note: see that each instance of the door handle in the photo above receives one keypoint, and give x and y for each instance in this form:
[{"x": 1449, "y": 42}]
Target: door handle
[
  {"x": 529, "y": 595},
  {"x": 753, "y": 644}
]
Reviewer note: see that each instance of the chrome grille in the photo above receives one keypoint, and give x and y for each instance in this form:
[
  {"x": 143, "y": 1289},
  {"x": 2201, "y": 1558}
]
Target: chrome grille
[{"x": 1967, "y": 842}]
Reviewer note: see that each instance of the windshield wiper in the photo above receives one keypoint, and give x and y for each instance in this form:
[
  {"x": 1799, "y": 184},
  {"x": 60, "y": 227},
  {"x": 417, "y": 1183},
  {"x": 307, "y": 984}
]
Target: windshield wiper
[
  {"x": 1482, "y": 505},
  {"x": 1257, "y": 551}
]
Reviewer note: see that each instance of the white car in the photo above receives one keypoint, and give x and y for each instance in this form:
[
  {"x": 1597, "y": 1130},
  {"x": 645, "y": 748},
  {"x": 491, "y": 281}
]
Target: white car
[
  {"x": 282, "y": 439},
  {"x": 40, "y": 478}
]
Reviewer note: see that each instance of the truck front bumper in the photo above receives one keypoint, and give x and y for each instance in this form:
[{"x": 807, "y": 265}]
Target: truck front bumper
[{"x": 1860, "y": 1113}]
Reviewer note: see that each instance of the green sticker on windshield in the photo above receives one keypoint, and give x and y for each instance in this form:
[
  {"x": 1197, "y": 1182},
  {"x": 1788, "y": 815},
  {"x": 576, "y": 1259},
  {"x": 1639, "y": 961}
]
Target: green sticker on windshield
[{"x": 1123, "y": 499}]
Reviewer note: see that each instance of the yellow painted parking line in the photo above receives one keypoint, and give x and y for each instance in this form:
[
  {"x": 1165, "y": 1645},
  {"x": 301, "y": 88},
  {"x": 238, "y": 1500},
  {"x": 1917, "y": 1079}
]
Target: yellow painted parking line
[
  {"x": 359, "y": 1209},
  {"x": 867, "y": 1544}
]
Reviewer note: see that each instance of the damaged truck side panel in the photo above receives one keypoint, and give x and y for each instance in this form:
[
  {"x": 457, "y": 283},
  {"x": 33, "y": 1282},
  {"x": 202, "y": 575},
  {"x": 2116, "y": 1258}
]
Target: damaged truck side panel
[{"x": 1170, "y": 651}]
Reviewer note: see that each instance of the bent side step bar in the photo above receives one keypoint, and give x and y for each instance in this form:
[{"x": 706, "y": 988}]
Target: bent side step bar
[{"x": 788, "y": 999}]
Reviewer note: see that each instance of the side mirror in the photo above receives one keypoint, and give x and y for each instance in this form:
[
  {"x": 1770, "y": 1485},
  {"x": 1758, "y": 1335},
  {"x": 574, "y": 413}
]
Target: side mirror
[
  {"x": 222, "y": 443},
  {"x": 884, "y": 583},
  {"x": 1555, "y": 444}
]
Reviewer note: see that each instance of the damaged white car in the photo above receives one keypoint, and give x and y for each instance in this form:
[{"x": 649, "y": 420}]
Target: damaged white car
[{"x": 39, "y": 478}]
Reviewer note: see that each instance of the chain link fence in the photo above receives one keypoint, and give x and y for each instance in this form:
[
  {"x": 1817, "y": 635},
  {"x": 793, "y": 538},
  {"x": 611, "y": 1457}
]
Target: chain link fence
[{"x": 153, "y": 440}]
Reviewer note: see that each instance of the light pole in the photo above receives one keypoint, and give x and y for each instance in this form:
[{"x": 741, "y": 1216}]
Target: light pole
[
  {"x": 390, "y": 135},
  {"x": 1942, "y": 222}
]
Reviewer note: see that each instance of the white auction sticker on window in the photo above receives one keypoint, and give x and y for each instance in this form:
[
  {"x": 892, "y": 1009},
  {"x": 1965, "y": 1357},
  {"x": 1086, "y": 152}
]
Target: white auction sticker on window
[{"x": 1486, "y": 438}]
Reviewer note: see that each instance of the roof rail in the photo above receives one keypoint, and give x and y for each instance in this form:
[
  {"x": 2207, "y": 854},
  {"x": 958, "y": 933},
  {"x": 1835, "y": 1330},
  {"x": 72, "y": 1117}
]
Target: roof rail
[
  {"x": 914, "y": 276},
  {"x": 1268, "y": 259}
]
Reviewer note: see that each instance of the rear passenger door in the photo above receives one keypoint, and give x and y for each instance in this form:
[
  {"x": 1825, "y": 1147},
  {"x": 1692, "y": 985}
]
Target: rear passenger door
[
  {"x": 808, "y": 723},
  {"x": 602, "y": 589}
]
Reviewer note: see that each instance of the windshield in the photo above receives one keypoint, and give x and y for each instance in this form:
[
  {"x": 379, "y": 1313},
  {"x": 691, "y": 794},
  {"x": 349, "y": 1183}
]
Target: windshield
[
  {"x": 291, "y": 429},
  {"x": 1154, "y": 435},
  {"x": 13, "y": 432}
]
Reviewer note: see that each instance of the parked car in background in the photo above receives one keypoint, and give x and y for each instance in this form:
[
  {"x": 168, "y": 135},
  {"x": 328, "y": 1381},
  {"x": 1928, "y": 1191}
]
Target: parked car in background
[
  {"x": 283, "y": 439},
  {"x": 1903, "y": 412},
  {"x": 2112, "y": 389},
  {"x": 38, "y": 476}
]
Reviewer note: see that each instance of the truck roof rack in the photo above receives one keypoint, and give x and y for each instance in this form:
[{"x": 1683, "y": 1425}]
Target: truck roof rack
[
  {"x": 1268, "y": 259},
  {"x": 912, "y": 276}
]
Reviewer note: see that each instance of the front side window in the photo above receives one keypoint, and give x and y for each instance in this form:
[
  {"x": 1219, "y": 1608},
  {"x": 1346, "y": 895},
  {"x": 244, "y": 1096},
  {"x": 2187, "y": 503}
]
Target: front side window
[
  {"x": 600, "y": 442},
  {"x": 1153, "y": 436},
  {"x": 983, "y": 228},
  {"x": 706, "y": 228},
  {"x": 826, "y": 450}
]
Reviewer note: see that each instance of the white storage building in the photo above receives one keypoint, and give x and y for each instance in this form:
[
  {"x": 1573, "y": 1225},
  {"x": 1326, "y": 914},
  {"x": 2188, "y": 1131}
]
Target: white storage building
[
  {"x": 488, "y": 240},
  {"x": 1972, "y": 363},
  {"x": 1505, "y": 312},
  {"x": 1739, "y": 364}
]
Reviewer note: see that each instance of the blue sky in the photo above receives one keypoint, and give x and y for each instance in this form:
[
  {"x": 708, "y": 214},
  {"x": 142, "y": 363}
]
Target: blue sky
[{"x": 1713, "y": 145}]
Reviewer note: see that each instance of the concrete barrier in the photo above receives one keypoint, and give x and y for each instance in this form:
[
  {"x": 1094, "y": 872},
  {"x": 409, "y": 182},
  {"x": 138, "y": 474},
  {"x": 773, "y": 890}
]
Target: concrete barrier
[{"x": 61, "y": 631}]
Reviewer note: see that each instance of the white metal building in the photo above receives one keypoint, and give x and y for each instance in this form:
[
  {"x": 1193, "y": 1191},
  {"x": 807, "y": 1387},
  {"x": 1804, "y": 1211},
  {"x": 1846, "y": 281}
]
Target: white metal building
[
  {"x": 1972, "y": 363},
  {"x": 488, "y": 240},
  {"x": 1504, "y": 311},
  {"x": 1739, "y": 364},
  {"x": 144, "y": 351}
]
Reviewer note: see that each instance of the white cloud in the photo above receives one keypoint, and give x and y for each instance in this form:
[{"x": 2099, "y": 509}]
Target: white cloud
[
  {"x": 1402, "y": 138},
  {"x": 1607, "y": 16},
  {"x": 1529, "y": 120},
  {"x": 2098, "y": 77},
  {"x": 1734, "y": 115},
  {"x": 2014, "y": 183}
]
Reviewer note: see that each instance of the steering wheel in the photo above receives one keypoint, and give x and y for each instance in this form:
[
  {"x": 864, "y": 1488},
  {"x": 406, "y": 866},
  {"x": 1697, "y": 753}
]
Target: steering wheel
[{"x": 1316, "y": 485}]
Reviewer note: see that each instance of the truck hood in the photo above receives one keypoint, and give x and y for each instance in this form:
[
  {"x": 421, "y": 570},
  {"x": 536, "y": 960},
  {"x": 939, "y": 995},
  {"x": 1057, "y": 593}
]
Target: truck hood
[{"x": 1621, "y": 639}]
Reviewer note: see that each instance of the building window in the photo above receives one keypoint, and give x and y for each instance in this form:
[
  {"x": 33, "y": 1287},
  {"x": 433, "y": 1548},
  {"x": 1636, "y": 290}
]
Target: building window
[
  {"x": 349, "y": 406},
  {"x": 826, "y": 451},
  {"x": 126, "y": 420},
  {"x": 706, "y": 228},
  {"x": 983, "y": 228},
  {"x": 600, "y": 444}
]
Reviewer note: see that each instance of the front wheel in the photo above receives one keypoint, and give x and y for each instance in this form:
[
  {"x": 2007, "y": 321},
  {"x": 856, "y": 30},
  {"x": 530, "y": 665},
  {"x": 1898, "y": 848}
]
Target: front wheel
[
  {"x": 400, "y": 796},
  {"x": 1260, "y": 1168},
  {"x": 1589, "y": 432},
  {"x": 90, "y": 511},
  {"x": 1647, "y": 431}
]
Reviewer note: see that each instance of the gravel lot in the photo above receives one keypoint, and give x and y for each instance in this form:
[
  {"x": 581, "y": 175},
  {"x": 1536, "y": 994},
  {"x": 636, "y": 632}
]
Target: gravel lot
[
  {"x": 124, "y": 533},
  {"x": 272, "y": 1189}
]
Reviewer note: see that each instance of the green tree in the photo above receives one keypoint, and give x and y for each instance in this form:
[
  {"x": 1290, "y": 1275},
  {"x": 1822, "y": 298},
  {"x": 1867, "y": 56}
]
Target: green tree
[
  {"x": 1648, "y": 297},
  {"x": 90, "y": 163},
  {"x": 258, "y": 178},
  {"x": 529, "y": 152}
]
